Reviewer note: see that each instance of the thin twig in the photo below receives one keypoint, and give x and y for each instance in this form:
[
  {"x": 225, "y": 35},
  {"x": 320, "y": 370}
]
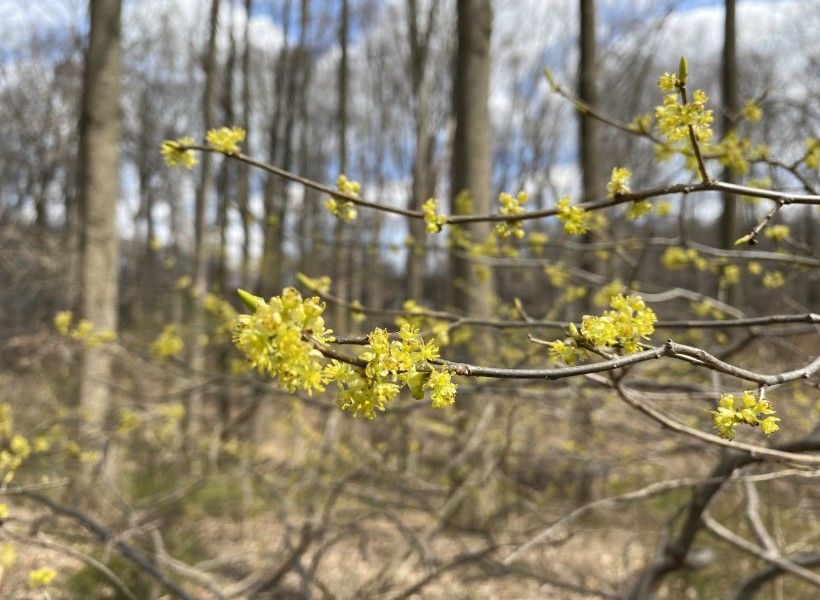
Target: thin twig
[{"x": 728, "y": 535}]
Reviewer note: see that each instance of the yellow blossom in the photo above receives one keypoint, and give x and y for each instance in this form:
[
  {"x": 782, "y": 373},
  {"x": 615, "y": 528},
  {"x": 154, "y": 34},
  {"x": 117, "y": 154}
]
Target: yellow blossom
[
  {"x": 511, "y": 205},
  {"x": 225, "y": 139},
  {"x": 618, "y": 182},
  {"x": 176, "y": 153},
  {"x": 168, "y": 344},
  {"x": 752, "y": 111},
  {"x": 344, "y": 209},
  {"x": 432, "y": 219},
  {"x": 576, "y": 220},
  {"x": 674, "y": 117},
  {"x": 62, "y": 321},
  {"x": 41, "y": 578},
  {"x": 774, "y": 280},
  {"x": 777, "y": 233}
]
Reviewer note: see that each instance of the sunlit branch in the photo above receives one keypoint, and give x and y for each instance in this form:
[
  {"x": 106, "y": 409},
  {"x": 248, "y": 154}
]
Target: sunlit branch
[
  {"x": 463, "y": 321},
  {"x": 670, "y": 349},
  {"x": 758, "y": 452},
  {"x": 678, "y": 188}
]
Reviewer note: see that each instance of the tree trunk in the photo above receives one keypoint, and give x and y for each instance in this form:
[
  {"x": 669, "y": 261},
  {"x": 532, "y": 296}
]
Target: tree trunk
[
  {"x": 227, "y": 169},
  {"x": 201, "y": 229},
  {"x": 729, "y": 93},
  {"x": 423, "y": 183},
  {"x": 243, "y": 191},
  {"x": 99, "y": 164},
  {"x": 592, "y": 172},
  {"x": 270, "y": 272},
  {"x": 342, "y": 267},
  {"x": 472, "y": 163},
  {"x": 592, "y": 183}
]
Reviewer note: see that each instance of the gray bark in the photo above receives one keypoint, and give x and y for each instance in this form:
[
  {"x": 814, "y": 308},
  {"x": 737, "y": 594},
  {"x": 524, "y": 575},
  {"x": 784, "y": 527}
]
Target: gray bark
[
  {"x": 99, "y": 189},
  {"x": 472, "y": 159},
  {"x": 201, "y": 229}
]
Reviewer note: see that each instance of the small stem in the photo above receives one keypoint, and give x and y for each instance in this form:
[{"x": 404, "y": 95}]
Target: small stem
[
  {"x": 751, "y": 237},
  {"x": 694, "y": 140}
]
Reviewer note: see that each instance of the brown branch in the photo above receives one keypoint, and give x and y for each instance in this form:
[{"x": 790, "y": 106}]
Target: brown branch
[
  {"x": 42, "y": 542},
  {"x": 670, "y": 349},
  {"x": 585, "y": 108},
  {"x": 463, "y": 321},
  {"x": 650, "y": 490},
  {"x": 673, "y": 554},
  {"x": 759, "y": 452},
  {"x": 104, "y": 535},
  {"x": 728, "y": 535},
  {"x": 751, "y": 237},
  {"x": 678, "y": 188},
  {"x": 750, "y": 589}
]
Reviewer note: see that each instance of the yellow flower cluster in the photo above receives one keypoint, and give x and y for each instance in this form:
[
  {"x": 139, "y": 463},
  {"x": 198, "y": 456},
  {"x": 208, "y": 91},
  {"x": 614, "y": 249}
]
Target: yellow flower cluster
[
  {"x": 638, "y": 209},
  {"x": 442, "y": 389},
  {"x": 677, "y": 258},
  {"x": 813, "y": 153},
  {"x": 344, "y": 209},
  {"x": 730, "y": 275},
  {"x": 278, "y": 338},
  {"x": 537, "y": 240},
  {"x": 281, "y": 337},
  {"x": 669, "y": 82},
  {"x": 557, "y": 274},
  {"x": 566, "y": 352},
  {"x": 629, "y": 321},
  {"x": 83, "y": 331},
  {"x": 41, "y": 578},
  {"x": 415, "y": 318},
  {"x": 129, "y": 421},
  {"x": 736, "y": 152},
  {"x": 641, "y": 123},
  {"x": 755, "y": 412},
  {"x": 618, "y": 182},
  {"x": 605, "y": 294},
  {"x": 176, "y": 153},
  {"x": 621, "y": 328},
  {"x": 168, "y": 343},
  {"x": 777, "y": 233},
  {"x": 12, "y": 456},
  {"x": 752, "y": 111},
  {"x": 511, "y": 205},
  {"x": 391, "y": 364},
  {"x": 774, "y": 280},
  {"x": 15, "y": 448},
  {"x": 315, "y": 284},
  {"x": 674, "y": 117},
  {"x": 576, "y": 220},
  {"x": 225, "y": 139},
  {"x": 432, "y": 219}
]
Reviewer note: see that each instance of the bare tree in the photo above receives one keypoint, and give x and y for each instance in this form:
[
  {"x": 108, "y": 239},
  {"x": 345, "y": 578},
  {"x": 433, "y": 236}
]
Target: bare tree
[
  {"x": 281, "y": 128},
  {"x": 343, "y": 267},
  {"x": 203, "y": 192},
  {"x": 472, "y": 144},
  {"x": 419, "y": 35},
  {"x": 729, "y": 92},
  {"x": 99, "y": 162},
  {"x": 244, "y": 184}
]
